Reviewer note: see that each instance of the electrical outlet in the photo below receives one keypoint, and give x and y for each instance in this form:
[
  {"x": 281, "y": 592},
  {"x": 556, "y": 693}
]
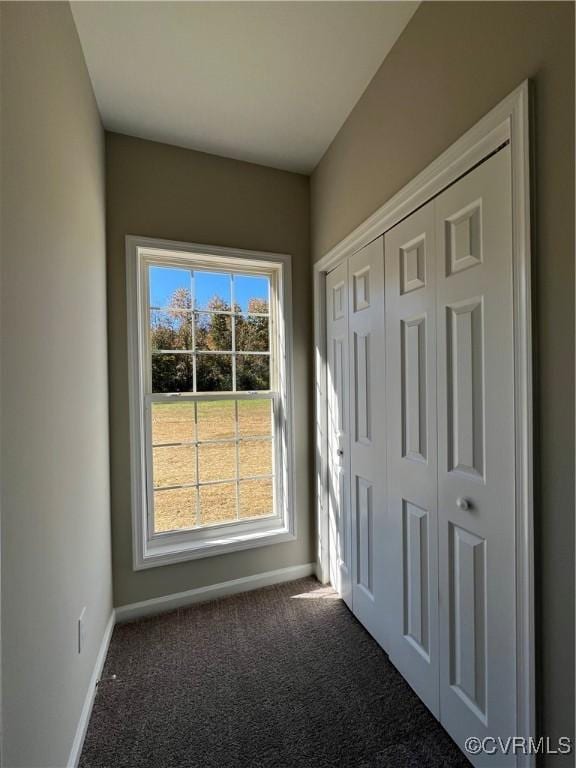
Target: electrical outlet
[{"x": 82, "y": 630}]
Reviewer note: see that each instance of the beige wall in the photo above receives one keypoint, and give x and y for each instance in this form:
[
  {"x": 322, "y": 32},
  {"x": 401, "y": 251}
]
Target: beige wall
[
  {"x": 451, "y": 65},
  {"x": 54, "y": 409},
  {"x": 167, "y": 192}
]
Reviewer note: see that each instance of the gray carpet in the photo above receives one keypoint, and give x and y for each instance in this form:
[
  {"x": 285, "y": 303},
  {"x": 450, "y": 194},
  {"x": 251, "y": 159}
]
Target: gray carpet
[{"x": 280, "y": 677}]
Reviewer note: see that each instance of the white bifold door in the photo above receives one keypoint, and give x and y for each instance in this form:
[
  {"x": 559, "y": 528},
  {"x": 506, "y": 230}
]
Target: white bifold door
[
  {"x": 421, "y": 450},
  {"x": 412, "y": 563},
  {"x": 339, "y": 528},
  {"x": 450, "y": 559},
  {"x": 356, "y": 436}
]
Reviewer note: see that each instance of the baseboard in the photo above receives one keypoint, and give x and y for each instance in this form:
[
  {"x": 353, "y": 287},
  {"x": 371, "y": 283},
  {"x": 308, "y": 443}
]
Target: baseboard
[
  {"x": 202, "y": 594},
  {"x": 80, "y": 735}
]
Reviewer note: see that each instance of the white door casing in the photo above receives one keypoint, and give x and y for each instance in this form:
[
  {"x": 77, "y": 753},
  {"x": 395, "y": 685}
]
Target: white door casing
[
  {"x": 412, "y": 552},
  {"x": 367, "y": 436},
  {"x": 507, "y": 123},
  {"x": 340, "y": 537},
  {"x": 476, "y": 456}
]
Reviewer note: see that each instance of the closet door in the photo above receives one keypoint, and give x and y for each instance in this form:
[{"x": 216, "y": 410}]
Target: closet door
[
  {"x": 367, "y": 437},
  {"x": 412, "y": 563},
  {"x": 338, "y": 441},
  {"x": 476, "y": 456}
]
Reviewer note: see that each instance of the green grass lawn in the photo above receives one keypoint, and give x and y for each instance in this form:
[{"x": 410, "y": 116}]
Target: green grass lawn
[{"x": 183, "y": 462}]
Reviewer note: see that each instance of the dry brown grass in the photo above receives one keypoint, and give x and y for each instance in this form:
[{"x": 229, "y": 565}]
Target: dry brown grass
[{"x": 177, "y": 464}]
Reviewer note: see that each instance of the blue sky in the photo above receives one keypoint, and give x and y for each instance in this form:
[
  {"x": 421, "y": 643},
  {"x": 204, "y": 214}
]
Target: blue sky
[{"x": 165, "y": 280}]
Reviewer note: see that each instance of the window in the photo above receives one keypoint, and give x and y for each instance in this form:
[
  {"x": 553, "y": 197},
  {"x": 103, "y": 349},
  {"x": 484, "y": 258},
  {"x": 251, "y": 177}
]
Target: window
[{"x": 209, "y": 375}]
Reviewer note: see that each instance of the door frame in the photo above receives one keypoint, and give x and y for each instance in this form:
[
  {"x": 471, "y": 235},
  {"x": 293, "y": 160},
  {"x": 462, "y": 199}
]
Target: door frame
[{"x": 507, "y": 122}]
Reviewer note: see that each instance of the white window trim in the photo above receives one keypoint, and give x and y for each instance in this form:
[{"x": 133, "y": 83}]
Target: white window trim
[{"x": 174, "y": 547}]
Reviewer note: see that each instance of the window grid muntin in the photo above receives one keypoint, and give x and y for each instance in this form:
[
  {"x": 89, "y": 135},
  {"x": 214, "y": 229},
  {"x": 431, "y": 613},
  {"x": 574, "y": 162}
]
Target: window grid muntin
[
  {"x": 216, "y": 441},
  {"x": 223, "y": 481},
  {"x": 234, "y": 384},
  {"x": 237, "y": 445},
  {"x": 178, "y": 311},
  {"x": 201, "y": 352}
]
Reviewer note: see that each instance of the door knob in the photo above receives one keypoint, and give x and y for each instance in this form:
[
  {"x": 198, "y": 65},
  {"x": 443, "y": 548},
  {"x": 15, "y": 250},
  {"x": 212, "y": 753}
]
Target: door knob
[
  {"x": 340, "y": 452},
  {"x": 463, "y": 504}
]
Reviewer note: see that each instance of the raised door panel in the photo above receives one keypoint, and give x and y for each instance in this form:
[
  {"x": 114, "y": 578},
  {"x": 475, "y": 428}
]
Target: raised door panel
[
  {"x": 367, "y": 449},
  {"x": 339, "y": 298},
  {"x": 476, "y": 470},
  {"x": 338, "y": 376},
  {"x": 414, "y": 388},
  {"x": 361, "y": 288},
  {"x": 416, "y": 554},
  {"x": 463, "y": 239},
  {"x": 413, "y": 265},
  {"x": 465, "y": 387},
  {"x": 361, "y": 386},
  {"x": 365, "y": 537},
  {"x": 412, "y": 556},
  {"x": 467, "y": 567}
]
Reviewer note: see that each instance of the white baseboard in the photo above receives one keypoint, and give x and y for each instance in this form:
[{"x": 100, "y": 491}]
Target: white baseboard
[
  {"x": 80, "y": 735},
  {"x": 202, "y": 594}
]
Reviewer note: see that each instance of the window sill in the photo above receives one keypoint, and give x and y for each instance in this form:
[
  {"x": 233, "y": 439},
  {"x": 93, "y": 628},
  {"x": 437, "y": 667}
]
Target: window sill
[{"x": 157, "y": 553}]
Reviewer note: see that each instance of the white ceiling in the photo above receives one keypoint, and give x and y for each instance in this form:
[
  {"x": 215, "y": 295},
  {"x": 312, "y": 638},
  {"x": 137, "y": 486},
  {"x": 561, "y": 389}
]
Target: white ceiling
[{"x": 267, "y": 82}]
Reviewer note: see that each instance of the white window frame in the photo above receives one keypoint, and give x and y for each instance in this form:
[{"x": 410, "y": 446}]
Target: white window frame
[{"x": 154, "y": 549}]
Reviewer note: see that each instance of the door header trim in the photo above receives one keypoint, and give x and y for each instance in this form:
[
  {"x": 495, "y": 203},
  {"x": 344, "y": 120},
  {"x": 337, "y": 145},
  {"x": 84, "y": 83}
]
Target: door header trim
[{"x": 493, "y": 130}]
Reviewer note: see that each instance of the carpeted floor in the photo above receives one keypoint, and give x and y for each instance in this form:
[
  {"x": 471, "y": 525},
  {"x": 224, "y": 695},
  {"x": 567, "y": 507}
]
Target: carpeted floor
[{"x": 280, "y": 677}]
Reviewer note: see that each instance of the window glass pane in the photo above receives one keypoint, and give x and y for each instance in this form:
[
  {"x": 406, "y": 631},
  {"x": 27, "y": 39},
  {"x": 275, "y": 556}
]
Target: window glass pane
[
  {"x": 252, "y": 372},
  {"x": 170, "y": 330},
  {"x": 174, "y": 465},
  {"x": 252, "y": 333},
  {"x": 213, "y": 331},
  {"x": 216, "y": 419},
  {"x": 172, "y": 423},
  {"x": 254, "y": 418},
  {"x": 255, "y": 457},
  {"x": 212, "y": 290},
  {"x": 213, "y": 373},
  {"x": 174, "y": 509},
  {"x": 251, "y": 293},
  {"x": 210, "y": 333},
  {"x": 256, "y": 498},
  {"x": 172, "y": 373},
  {"x": 170, "y": 287},
  {"x": 217, "y": 503},
  {"x": 217, "y": 462}
]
